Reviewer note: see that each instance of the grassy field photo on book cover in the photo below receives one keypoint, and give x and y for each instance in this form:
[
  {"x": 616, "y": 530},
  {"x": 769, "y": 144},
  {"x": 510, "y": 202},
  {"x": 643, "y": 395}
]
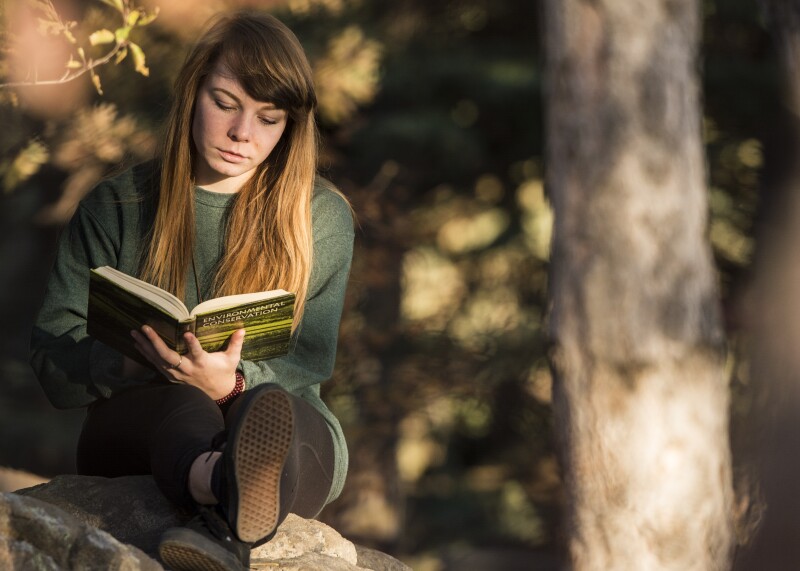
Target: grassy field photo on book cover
[{"x": 114, "y": 311}]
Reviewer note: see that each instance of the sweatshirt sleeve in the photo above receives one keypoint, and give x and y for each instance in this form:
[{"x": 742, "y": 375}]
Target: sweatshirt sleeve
[
  {"x": 313, "y": 350},
  {"x": 60, "y": 347},
  {"x": 73, "y": 368}
]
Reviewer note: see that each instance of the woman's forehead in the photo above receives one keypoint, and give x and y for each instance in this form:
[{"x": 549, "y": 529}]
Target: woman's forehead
[
  {"x": 222, "y": 77},
  {"x": 222, "y": 74}
]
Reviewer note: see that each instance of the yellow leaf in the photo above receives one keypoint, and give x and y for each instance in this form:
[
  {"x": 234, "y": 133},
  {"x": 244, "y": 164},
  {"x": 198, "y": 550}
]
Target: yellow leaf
[
  {"x": 121, "y": 55},
  {"x": 133, "y": 17},
  {"x": 25, "y": 165},
  {"x": 82, "y": 54},
  {"x": 121, "y": 34},
  {"x": 96, "y": 81},
  {"x": 138, "y": 59},
  {"x": 147, "y": 18},
  {"x": 101, "y": 37},
  {"x": 73, "y": 64}
]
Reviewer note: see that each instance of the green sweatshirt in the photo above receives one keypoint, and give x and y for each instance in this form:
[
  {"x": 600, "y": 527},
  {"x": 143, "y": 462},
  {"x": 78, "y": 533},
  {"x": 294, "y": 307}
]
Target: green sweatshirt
[{"x": 108, "y": 229}]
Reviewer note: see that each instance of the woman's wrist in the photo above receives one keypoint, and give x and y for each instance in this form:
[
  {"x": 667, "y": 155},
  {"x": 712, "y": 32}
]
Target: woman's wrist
[{"x": 238, "y": 388}]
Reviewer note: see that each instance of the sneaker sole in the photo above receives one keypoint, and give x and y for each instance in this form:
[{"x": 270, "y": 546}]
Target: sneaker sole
[
  {"x": 259, "y": 454},
  {"x": 180, "y": 553}
]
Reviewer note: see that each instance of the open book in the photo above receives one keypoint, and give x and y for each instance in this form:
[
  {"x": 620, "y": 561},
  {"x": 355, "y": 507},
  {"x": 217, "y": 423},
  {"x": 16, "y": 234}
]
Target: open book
[{"x": 119, "y": 303}]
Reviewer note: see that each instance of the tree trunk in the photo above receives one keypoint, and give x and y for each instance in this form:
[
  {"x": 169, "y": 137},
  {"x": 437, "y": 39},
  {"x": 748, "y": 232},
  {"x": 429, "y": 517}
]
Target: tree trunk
[{"x": 640, "y": 394}]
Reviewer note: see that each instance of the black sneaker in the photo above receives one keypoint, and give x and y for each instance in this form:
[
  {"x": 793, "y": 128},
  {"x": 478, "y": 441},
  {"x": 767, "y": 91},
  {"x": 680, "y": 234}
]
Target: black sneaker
[
  {"x": 254, "y": 462},
  {"x": 206, "y": 543}
]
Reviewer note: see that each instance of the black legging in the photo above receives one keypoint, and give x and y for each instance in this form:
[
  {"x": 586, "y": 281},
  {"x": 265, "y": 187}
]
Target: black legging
[{"x": 160, "y": 428}]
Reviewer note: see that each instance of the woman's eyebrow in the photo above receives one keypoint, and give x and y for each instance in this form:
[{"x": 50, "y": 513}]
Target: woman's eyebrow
[{"x": 267, "y": 106}]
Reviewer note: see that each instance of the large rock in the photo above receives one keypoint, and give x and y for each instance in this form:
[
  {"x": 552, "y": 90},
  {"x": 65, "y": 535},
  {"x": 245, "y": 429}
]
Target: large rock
[
  {"x": 133, "y": 510},
  {"x": 35, "y": 535}
]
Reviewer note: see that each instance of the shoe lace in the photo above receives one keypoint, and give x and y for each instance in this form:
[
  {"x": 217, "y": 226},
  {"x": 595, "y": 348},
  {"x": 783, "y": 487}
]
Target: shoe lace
[
  {"x": 218, "y": 443},
  {"x": 213, "y": 522}
]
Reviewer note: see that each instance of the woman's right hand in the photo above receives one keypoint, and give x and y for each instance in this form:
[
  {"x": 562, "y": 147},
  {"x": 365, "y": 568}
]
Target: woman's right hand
[{"x": 213, "y": 373}]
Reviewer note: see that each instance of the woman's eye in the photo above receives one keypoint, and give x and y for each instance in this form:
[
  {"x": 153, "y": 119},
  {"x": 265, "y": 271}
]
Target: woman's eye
[
  {"x": 223, "y": 106},
  {"x": 267, "y": 120}
]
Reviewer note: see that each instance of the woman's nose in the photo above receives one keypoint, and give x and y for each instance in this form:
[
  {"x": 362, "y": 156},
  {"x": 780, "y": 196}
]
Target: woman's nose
[{"x": 240, "y": 129}]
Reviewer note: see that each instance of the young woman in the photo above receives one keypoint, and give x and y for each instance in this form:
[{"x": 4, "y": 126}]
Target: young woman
[{"x": 232, "y": 205}]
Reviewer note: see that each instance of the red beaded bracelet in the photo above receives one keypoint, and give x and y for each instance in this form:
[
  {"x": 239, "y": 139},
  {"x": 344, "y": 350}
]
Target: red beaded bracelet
[{"x": 237, "y": 390}]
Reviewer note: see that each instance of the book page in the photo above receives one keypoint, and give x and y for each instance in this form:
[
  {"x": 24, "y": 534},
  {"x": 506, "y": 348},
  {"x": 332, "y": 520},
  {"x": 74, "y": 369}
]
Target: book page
[
  {"x": 155, "y": 295},
  {"x": 235, "y": 300}
]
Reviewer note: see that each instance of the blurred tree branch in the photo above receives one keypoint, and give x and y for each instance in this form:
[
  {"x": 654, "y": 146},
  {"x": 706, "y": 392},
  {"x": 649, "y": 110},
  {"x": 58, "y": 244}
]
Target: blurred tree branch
[
  {"x": 50, "y": 23},
  {"x": 46, "y": 23}
]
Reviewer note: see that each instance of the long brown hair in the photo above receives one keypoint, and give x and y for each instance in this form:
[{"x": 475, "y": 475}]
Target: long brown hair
[{"x": 268, "y": 241}]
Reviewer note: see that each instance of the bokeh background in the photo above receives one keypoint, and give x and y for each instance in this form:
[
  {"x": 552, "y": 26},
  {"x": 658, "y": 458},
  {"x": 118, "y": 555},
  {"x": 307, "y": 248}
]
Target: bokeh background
[{"x": 432, "y": 123}]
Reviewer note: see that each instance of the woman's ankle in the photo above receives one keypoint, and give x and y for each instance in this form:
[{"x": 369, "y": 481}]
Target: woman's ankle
[{"x": 200, "y": 478}]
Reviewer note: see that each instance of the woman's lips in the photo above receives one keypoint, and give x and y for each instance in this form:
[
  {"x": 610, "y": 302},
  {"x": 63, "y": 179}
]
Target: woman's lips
[{"x": 231, "y": 157}]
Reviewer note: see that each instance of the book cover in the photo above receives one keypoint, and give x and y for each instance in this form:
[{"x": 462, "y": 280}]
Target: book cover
[{"x": 114, "y": 310}]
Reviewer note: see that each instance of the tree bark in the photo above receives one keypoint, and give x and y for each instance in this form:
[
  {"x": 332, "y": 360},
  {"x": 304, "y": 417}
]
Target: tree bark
[{"x": 640, "y": 394}]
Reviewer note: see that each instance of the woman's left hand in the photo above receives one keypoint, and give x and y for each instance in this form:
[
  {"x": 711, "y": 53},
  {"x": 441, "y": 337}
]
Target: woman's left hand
[{"x": 213, "y": 373}]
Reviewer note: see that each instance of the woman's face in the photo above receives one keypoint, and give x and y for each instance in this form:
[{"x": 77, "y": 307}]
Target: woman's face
[{"x": 232, "y": 132}]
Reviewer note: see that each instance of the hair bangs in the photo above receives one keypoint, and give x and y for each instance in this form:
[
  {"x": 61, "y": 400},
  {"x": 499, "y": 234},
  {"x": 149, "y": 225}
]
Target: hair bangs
[{"x": 268, "y": 69}]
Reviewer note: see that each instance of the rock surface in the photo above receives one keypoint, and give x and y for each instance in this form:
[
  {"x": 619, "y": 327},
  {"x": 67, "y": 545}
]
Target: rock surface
[
  {"x": 36, "y": 535},
  {"x": 134, "y": 512},
  {"x": 132, "y": 509}
]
